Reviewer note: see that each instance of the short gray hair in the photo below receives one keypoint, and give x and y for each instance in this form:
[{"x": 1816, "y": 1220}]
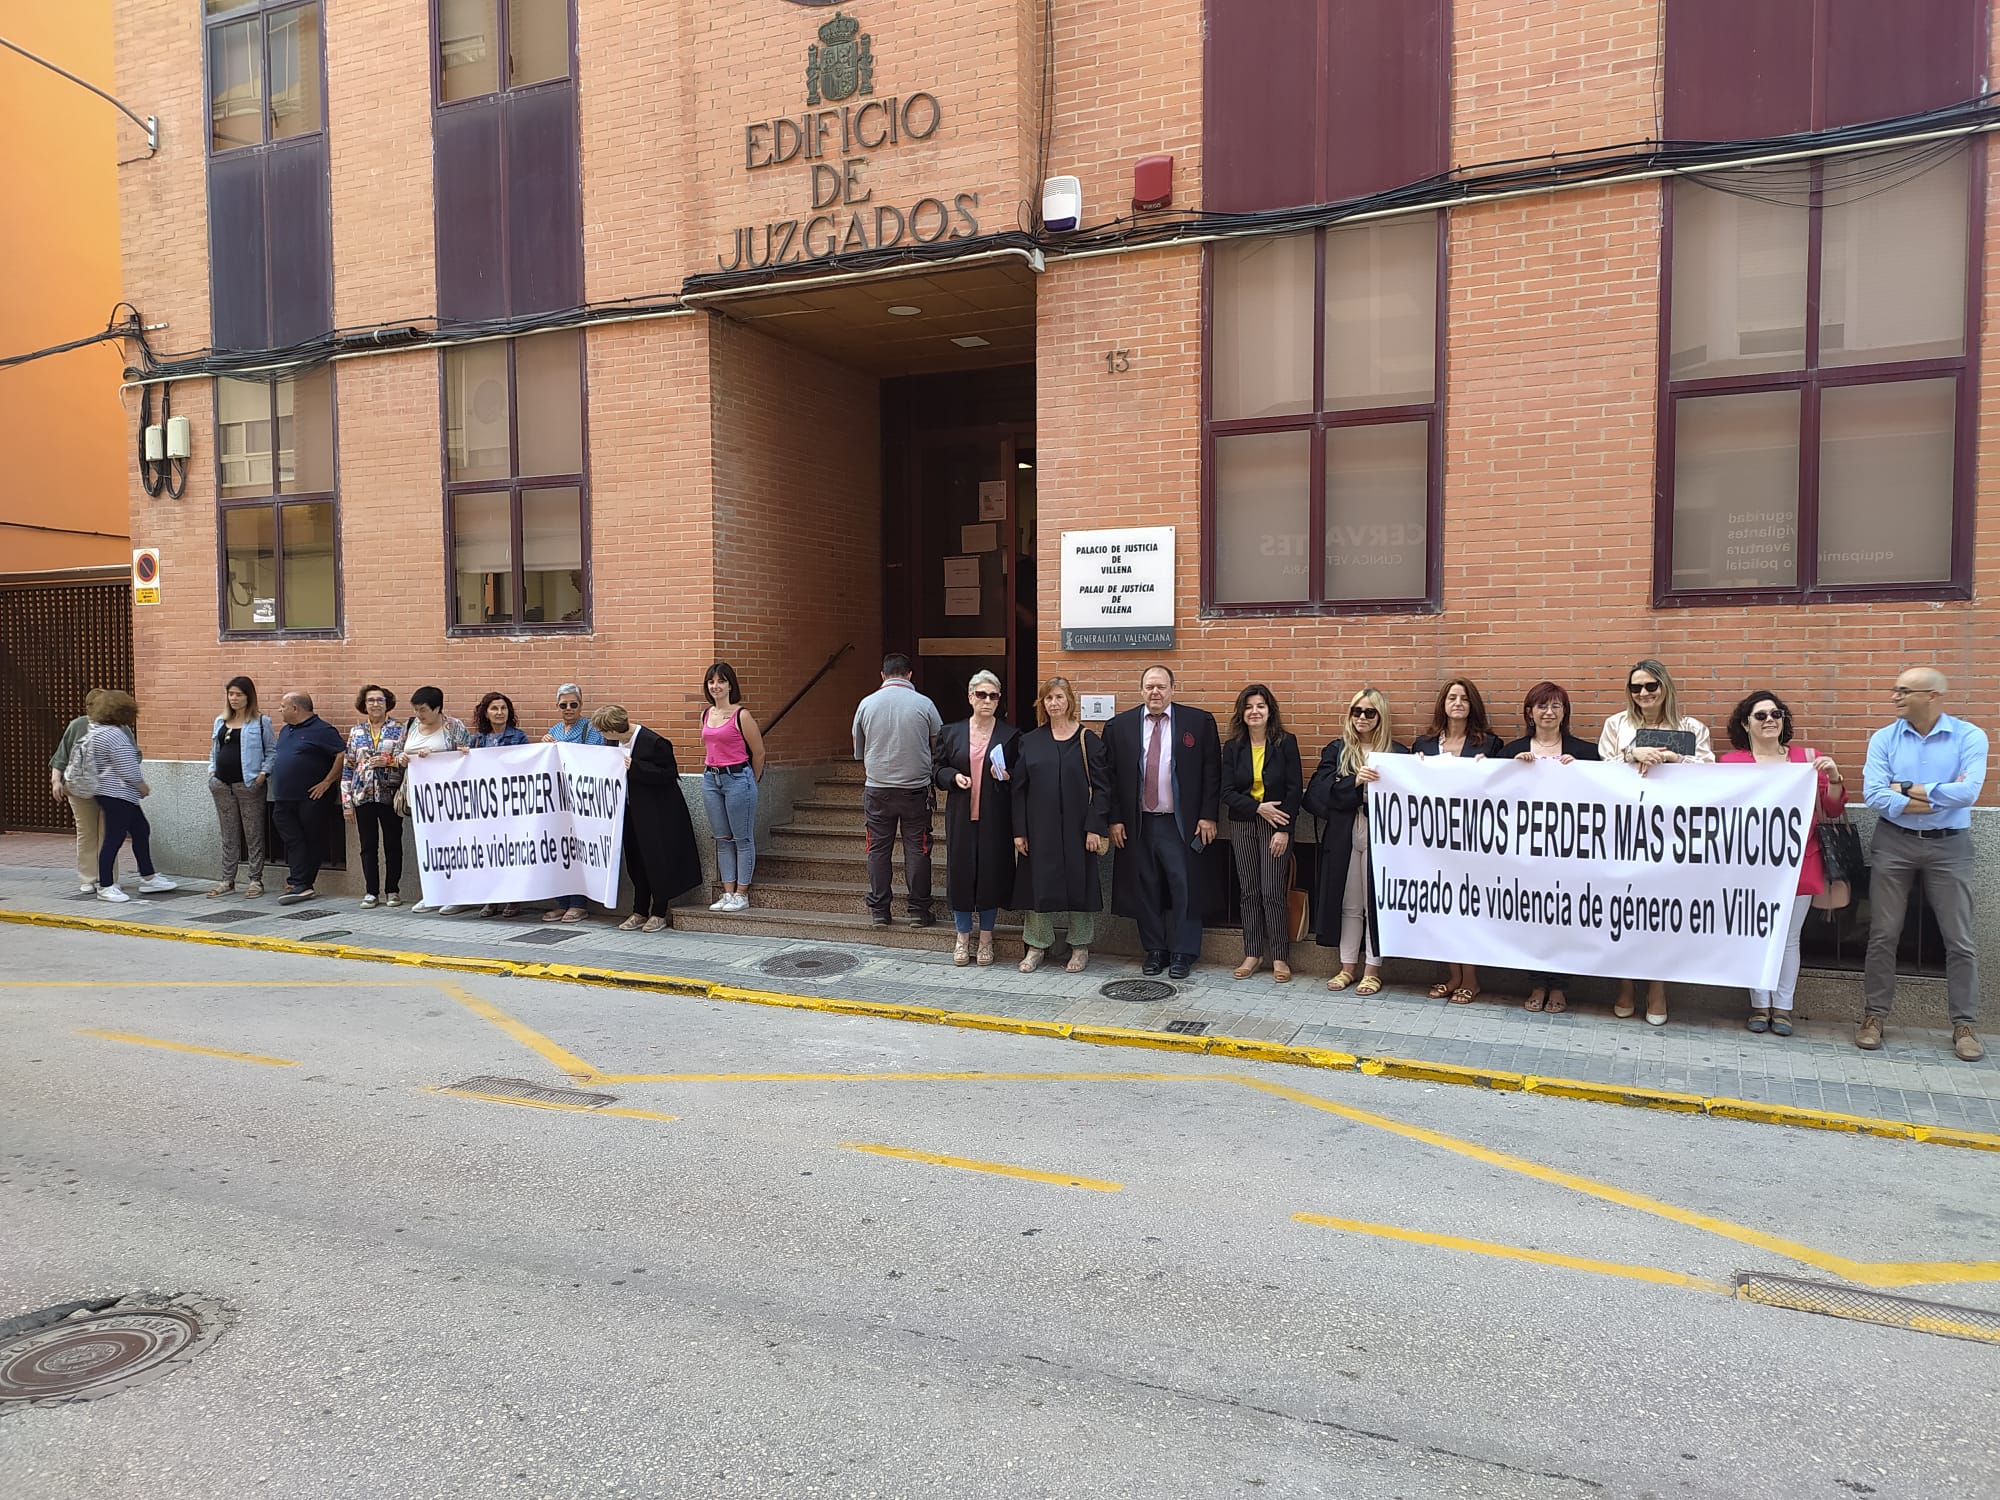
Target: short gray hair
[
  {"x": 568, "y": 689},
  {"x": 980, "y": 676}
]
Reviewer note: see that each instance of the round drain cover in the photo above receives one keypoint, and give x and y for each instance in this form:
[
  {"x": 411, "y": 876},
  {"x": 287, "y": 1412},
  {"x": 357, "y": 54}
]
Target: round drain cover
[
  {"x": 1137, "y": 989},
  {"x": 85, "y": 1357},
  {"x": 809, "y": 963}
]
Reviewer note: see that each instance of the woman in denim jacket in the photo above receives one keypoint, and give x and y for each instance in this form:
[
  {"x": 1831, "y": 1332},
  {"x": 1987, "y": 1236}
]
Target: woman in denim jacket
[
  {"x": 369, "y": 777},
  {"x": 238, "y": 747}
]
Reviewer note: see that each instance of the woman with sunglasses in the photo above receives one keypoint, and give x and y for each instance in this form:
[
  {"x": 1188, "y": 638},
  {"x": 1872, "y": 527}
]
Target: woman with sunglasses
[
  {"x": 1458, "y": 728},
  {"x": 1337, "y": 795},
  {"x": 1760, "y": 730},
  {"x": 572, "y": 728},
  {"x": 1546, "y": 712},
  {"x": 1651, "y": 713},
  {"x": 972, "y": 760}
]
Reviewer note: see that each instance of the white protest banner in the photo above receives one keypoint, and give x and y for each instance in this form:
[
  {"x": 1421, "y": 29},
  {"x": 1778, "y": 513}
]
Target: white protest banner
[
  {"x": 519, "y": 823},
  {"x": 1687, "y": 873}
]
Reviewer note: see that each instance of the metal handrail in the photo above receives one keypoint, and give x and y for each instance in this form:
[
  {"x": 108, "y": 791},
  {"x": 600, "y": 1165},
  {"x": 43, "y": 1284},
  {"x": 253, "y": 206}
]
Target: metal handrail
[{"x": 825, "y": 667}]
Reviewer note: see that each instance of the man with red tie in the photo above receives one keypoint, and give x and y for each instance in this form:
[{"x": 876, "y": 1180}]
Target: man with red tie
[{"x": 1166, "y": 791}]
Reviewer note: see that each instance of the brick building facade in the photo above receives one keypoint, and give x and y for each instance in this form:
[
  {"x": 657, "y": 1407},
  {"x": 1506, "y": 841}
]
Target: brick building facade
[{"x": 770, "y": 461}]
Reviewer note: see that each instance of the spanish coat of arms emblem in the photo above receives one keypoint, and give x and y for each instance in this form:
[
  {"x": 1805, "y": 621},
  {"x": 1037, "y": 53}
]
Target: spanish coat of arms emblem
[{"x": 840, "y": 64}]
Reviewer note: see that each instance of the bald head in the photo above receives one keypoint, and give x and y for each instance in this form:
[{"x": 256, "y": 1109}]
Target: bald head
[
  {"x": 295, "y": 706},
  {"x": 1920, "y": 696}
]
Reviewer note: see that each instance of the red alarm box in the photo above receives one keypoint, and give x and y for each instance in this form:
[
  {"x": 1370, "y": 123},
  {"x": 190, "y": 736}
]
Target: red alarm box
[{"x": 1153, "y": 182}]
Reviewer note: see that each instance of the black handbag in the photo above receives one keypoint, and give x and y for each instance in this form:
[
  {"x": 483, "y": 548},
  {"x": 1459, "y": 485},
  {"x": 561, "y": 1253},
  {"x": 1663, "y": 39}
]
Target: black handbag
[{"x": 1839, "y": 849}]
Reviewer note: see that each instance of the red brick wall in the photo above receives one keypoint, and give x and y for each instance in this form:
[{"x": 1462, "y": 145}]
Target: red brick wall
[{"x": 797, "y": 534}]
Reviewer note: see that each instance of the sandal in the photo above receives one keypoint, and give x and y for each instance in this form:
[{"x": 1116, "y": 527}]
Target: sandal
[
  {"x": 1281, "y": 972},
  {"x": 1034, "y": 959},
  {"x": 574, "y": 914},
  {"x": 253, "y": 890},
  {"x": 554, "y": 914},
  {"x": 1248, "y": 967},
  {"x": 1340, "y": 981},
  {"x": 1464, "y": 996},
  {"x": 1078, "y": 957},
  {"x": 1558, "y": 1003},
  {"x": 1442, "y": 988},
  {"x": 632, "y": 923},
  {"x": 1370, "y": 985},
  {"x": 222, "y": 890},
  {"x": 1536, "y": 1001}
]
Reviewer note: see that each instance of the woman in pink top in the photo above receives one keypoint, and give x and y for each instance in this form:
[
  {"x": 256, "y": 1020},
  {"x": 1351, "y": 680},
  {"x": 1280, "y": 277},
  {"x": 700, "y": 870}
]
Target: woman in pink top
[
  {"x": 732, "y": 764},
  {"x": 1760, "y": 729}
]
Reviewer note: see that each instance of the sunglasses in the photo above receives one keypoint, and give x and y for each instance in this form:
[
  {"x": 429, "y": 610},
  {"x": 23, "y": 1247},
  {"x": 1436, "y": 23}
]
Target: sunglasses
[
  {"x": 1362, "y": 711},
  {"x": 1643, "y": 687},
  {"x": 983, "y": 695},
  {"x": 569, "y": 703},
  {"x": 1768, "y": 715},
  {"x": 1903, "y": 692}
]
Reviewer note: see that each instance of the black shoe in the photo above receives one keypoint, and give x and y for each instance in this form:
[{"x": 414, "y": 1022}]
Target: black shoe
[
  {"x": 1182, "y": 966},
  {"x": 923, "y": 919},
  {"x": 1155, "y": 962},
  {"x": 879, "y": 918}
]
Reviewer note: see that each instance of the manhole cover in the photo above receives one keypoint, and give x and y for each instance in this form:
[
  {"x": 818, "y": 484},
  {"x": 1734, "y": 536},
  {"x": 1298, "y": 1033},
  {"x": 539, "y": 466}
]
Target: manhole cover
[
  {"x": 809, "y": 963},
  {"x": 1186, "y": 1027},
  {"x": 105, "y": 1347},
  {"x": 490, "y": 1087},
  {"x": 1137, "y": 989},
  {"x": 310, "y": 914},
  {"x": 543, "y": 936},
  {"x": 222, "y": 918}
]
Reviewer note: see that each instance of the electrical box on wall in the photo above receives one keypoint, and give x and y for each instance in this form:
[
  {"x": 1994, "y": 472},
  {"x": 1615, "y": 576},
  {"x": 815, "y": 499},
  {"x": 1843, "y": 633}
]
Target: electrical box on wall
[
  {"x": 180, "y": 438},
  {"x": 1153, "y": 182},
  {"x": 1062, "y": 204}
]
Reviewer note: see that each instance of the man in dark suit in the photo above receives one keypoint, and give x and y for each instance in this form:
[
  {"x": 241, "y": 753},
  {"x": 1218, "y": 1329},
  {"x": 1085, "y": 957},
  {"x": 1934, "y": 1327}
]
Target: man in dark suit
[{"x": 1166, "y": 785}]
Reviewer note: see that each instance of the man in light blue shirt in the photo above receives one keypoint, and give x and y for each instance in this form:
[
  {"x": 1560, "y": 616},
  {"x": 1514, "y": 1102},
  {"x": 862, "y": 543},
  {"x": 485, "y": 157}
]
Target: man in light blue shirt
[{"x": 1924, "y": 773}]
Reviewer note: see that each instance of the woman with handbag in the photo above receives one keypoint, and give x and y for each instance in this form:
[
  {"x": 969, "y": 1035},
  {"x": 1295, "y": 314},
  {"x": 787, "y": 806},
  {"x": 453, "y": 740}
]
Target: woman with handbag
[
  {"x": 369, "y": 779},
  {"x": 1062, "y": 826},
  {"x": 1760, "y": 729},
  {"x": 1263, "y": 784}
]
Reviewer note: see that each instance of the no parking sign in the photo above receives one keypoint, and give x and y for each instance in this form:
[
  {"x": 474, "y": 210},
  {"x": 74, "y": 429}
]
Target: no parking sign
[{"x": 146, "y": 575}]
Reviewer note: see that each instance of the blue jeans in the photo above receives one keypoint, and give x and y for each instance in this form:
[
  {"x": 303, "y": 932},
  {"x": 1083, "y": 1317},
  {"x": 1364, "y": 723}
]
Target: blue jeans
[
  {"x": 962, "y": 920},
  {"x": 731, "y": 799}
]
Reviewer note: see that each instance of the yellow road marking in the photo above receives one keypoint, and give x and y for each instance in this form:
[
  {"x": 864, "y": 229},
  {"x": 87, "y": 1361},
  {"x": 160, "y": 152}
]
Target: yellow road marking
[
  {"x": 523, "y": 1033},
  {"x": 998, "y": 1169},
  {"x": 201, "y": 984},
  {"x": 153, "y": 1041},
  {"x": 574, "y": 1109},
  {"x": 1866, "y": 1273},
  {"x": 970, "y": 1076},
  {"x": 1518, "y": 1252}
]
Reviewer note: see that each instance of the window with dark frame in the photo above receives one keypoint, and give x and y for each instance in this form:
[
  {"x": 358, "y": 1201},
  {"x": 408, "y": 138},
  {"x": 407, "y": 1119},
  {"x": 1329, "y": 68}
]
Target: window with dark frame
[
  {"x": 1818, "y": 400},
  {"x": 506, "y": 164},
  {"x": 269, "y": 214},
  {"x": 516, "y": 495},
  {"x": 277, "y": 518},
  {"x": 1323, "y": 430}
]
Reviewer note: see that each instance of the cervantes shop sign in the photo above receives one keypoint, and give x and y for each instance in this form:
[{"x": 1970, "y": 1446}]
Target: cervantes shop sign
[{"x": 836, "y": 141}]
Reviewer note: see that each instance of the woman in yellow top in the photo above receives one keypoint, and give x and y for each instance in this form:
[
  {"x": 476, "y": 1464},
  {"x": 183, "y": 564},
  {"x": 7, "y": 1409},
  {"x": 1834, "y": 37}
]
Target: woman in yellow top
[{"x": 1262, "y": 784}]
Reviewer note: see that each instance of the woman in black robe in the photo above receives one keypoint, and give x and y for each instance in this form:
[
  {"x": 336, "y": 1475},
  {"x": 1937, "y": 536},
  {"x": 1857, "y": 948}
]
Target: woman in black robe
[
  {"x": 660, "y": 852},
  {"x": 1337, "y": 794},
  {"x": 972, "y": 758},
  {"x": 1062, "y": 825}
]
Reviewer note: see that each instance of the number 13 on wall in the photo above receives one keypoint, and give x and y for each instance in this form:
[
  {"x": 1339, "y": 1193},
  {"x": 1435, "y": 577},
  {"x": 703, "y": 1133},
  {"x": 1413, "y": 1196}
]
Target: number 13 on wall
[{"x": 1118, "y": 361}]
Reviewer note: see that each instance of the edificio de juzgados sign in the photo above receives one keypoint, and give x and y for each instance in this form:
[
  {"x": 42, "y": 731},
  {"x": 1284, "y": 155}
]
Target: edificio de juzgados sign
[{"x": 834, "y": 141}]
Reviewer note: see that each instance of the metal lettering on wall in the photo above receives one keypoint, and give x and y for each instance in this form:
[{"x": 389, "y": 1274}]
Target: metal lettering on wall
[{"x": 835, "y": 145}]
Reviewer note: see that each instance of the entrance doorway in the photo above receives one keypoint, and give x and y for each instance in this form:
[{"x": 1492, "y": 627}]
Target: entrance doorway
[{"x": 959, "y": 535}]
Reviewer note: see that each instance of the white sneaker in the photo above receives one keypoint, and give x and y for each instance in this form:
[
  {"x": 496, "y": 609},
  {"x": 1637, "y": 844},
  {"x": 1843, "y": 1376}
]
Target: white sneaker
[
  {"x": 393, "y": 900},
  {"x": 87, "y": 887},
  {"x": 367, "y": 901},
  {"x": 158, "y": 883},
  {"x": 111, "y": 893},
  {"x": 739, "y": 902},
  {"x": 725, "y": 902},
  {"x": 448, "y": 911}
]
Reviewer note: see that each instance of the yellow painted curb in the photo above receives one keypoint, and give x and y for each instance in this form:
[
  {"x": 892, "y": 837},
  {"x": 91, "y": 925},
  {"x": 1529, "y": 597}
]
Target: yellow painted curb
[{"x": 1105, "y": 1036}]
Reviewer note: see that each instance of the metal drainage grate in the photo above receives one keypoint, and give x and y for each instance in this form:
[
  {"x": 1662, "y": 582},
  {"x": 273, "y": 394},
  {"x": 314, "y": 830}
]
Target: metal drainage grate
[
  {"x": 1137, "y": 989},
  {"x": 544, "y": 936},
  {"x": 310, "y": 914},
  {"x": 326, "y": 936},
  {"x": 532, "y": 1093},
  {"x": 223, "y": 918},
  {"x": 83, "y": 1350},
  {"x": 1186, "y": 1028},
  {"x": 1834, "y": 1301},
  {"x": 809, "y": 963}
]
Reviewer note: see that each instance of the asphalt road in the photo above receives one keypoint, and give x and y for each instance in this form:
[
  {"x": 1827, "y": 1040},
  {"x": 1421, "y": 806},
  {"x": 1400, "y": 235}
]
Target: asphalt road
[{"x": 435, "y": 1295}]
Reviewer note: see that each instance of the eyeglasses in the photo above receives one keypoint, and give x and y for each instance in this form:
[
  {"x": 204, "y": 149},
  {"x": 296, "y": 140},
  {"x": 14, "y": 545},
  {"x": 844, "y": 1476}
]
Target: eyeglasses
[
  {"x": 569, "y": 703},
  {"x": 1768, "y": 715},
  {"x": 1643, "y": 687},
  {"x": 983, "y": 695},
  {"x": 1363, "y": 711},
  {"x": 1903, "y": 692}
]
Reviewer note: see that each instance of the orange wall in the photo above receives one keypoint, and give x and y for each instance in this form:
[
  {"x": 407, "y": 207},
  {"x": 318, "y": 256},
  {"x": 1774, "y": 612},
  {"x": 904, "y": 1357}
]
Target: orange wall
[{"x": 58, "y": 280}]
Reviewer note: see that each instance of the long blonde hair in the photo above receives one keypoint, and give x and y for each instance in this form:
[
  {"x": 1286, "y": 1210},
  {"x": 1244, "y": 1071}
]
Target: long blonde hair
[
  {"x": 1670, "y": 708},
  {"x": 1354, "y": 751}
]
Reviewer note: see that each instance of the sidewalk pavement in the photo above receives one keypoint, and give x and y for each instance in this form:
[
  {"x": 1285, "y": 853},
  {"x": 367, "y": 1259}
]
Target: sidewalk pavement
[{"x": 1914, "y": 1079}]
